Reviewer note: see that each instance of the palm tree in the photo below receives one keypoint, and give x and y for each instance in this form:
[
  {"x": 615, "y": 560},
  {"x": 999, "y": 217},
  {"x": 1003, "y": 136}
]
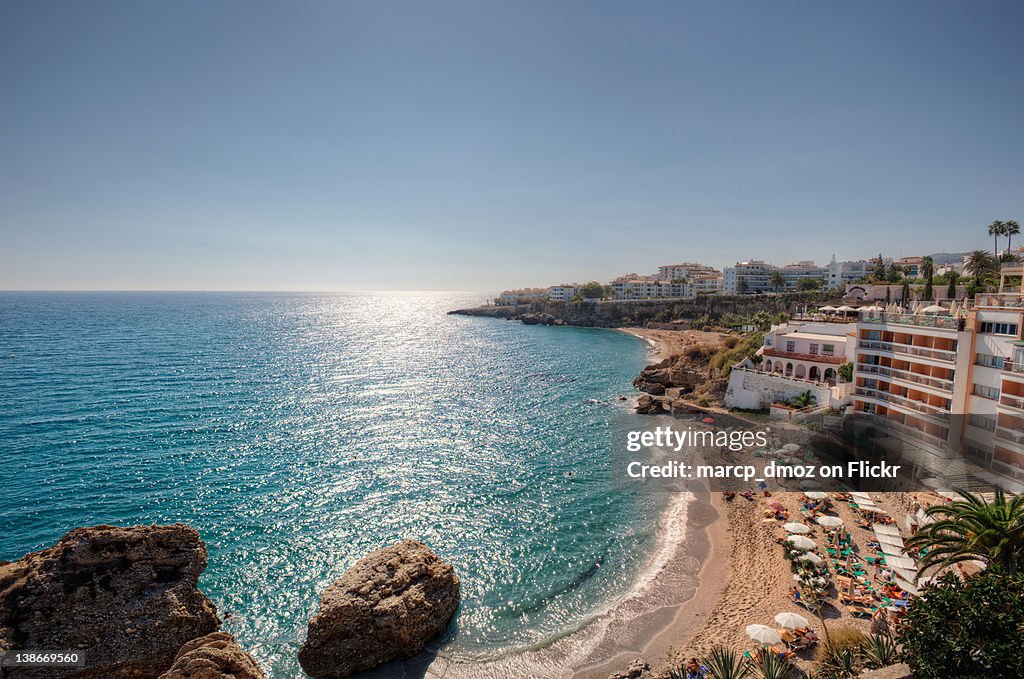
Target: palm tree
[
  {"x": 804, "y": 400},
  {"x": 725, "y": 663},
  {"x": 777, "y": 280},
  {"x": 1010, "y": 229},
  {"x": 972, "y": 529},
  {"x": 996, "y": 229},
  {"x": 980, "y": 265},
  {"x": 772, "y": 666}
]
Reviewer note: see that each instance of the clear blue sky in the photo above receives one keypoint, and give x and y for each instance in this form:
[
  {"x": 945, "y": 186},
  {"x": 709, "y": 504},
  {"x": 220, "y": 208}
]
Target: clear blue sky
[{"x": 478, "y": 145}]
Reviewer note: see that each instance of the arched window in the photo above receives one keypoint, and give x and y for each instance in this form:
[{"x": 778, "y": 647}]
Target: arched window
[{"x": 799, "y": 374}]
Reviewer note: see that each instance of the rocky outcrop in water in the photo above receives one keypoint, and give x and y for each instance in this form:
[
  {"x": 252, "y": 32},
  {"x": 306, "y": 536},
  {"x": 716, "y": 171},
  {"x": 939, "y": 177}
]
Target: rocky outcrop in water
[
  {"x": 387, "y": 606},
  {"x": 214, "y": 656},
  {"x": 681, "y": 372},
  {"x": 127, "y": 598}
]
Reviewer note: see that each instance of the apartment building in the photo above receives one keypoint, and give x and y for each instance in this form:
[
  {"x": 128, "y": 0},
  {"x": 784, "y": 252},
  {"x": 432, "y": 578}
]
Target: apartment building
[
  {"x": 841, "y": 274},
  {"x": 686, "y": 270},
  {"x": 520, "y": 296},
  {"x": 564, "y": 292},
  {"x": 953, "y": 383},
  {"x": 636, "y": 287},
  {"x": 756, "y": 276}
]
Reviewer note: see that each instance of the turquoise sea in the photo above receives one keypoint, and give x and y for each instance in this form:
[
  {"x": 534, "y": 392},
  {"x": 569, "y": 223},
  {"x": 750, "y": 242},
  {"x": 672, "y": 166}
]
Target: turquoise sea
[{"x": 298, "y": 432}]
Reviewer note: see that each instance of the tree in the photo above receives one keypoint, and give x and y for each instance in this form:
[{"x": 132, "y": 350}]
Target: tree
[
  {"x": 969, "y": 629},
  {"x": 996, "y": 229},
  {"x": 951, "y": 290},
  {"x": 973, "y": 529},
  {"x": 742, "y": 286},
  {"x": 981, "y": 266},
  {"x": 725, "y": 663},
  {"x": 592, "y": 290},
  {"x": 808, "y": 284},
  {"x": 888, "y": 295},
  {"x": 777, "y": 280},
  {"x": 1010, "y": 229},
  {"x": 928, "y": 272},
  {"x": 846, "y": 372},
  {"x": 878, "y": 270},
  {"x": 905, "y": 293}
]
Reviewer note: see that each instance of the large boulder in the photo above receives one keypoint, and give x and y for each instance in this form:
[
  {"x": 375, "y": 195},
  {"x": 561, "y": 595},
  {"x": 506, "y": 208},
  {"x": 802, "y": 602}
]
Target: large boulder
[
  {"x": 126, "y": 598},
  {"x": 387, "y": 606},
  {"x": 215, "y": 656}
]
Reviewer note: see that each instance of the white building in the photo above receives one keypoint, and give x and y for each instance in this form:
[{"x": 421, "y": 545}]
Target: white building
[
  {"x": 564, "y": 292},
  {"x": 755, "y": 276},
  {"x": 841, "y": 274},
  {"x": 520, "y": 296},
  {"x": 795, "y": 358},
  {"x": 686, "y": 270},
  {"x": 647, "y": 287}
]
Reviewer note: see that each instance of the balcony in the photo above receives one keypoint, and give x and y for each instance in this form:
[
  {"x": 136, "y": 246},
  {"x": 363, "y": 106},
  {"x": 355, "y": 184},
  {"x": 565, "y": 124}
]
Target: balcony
[
  {"x": 1007, "y": 434},
  {"x": 908, "y": 350},
  {"x": 1012, "y": 401},
  {"x": 793, "y": 355},
  {"x": 904, "y": 402},
  {"x": 907, "y": 376},
  {"x": 1005, "y": 300},
  {"x": 915, "y": 320},
  {"x": 905, "y": 429}
]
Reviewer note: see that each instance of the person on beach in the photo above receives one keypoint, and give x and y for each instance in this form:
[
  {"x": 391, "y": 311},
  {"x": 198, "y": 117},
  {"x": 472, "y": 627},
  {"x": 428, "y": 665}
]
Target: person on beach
[{"x": 693, "y": 669}]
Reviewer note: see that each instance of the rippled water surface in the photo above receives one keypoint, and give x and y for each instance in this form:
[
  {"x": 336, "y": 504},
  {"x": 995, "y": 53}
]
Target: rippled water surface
[{"x": 298, "y": 432}]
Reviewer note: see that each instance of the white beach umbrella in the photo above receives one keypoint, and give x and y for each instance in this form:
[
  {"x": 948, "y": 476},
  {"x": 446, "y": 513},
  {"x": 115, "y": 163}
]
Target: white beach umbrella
[
  {"x": 829, "y": 521},
  {"x": 809, "y": 557},
  {"x": 845, "y": 309},
  {"x": 810, "y": 484},
  {"x": 791, "y": 447},
  {"x": 827, "y": 307},
  {"x": 797, "y": 528},
  {"x": 791, "y": 620},
  {"x": 934, "y": 309},
  {"x": 763, "y": 634},
  {"x": 800, "y": 542},
  {"x": 816, "y": 495}
]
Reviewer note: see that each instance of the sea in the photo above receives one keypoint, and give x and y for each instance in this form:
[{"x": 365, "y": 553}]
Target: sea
[{"x": 298, "y": 432}]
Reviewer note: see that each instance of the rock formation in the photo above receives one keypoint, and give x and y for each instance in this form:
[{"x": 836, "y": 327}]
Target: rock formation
[
  {"x": 387, "y": 606},
  {"x": 215, "y": 656},
  {"x": 126, "y": 597}
]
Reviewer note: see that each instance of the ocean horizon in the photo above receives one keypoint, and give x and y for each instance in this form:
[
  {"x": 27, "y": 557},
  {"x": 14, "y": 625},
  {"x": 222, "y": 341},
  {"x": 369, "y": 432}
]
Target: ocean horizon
[{"x": 299, "y": 431}]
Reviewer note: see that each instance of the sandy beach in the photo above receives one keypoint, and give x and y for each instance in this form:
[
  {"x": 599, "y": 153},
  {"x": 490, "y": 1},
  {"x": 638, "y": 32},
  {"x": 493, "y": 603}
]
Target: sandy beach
[{"x": 665, "y": 343}]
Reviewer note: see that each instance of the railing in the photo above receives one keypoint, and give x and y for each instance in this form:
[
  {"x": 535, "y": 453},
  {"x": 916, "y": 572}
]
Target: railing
[
  {"x": 1002, "y": 300},
  {"x": 1013, "y": 366},
  {"x": 926, "y": 380},
  {"x": 909, "y": 349},
  {"x": 917, "y": 406},
  {"x": 917, "y": 320},
  {"x": 818, "y": 358},
  {"x": 1012, "y": 401},
  {"x": 1007, "y": 434},
  {"x": 899, "y": 426}
]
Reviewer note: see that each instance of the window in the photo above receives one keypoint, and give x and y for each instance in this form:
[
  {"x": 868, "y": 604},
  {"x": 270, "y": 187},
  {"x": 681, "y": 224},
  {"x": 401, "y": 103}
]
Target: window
[
  {"x": 986, "y": 392},
  {"x": 986, "y": 422},
  {"x": 990, "y": 328},
  {"x": 814, "y": 349},
  {"x": 828, "y": 349},
  {"x": 790, "y": 346},
  {"x": 767, "y": 340},
  {"x": 990, "y": 361}
]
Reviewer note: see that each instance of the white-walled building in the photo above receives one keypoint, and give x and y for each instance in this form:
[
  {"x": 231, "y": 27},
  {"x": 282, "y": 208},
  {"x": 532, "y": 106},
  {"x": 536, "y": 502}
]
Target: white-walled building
[
  {"x": 648, "y": 287},
  {"x": 564, "y": 292},
  {"x": 520, "y": 296},
  {"x": 686, "y": 270},
  {"x": 840, "y": 274},
  {"x": 756, "y": 276},
  {"x": 795, "y": 358}
]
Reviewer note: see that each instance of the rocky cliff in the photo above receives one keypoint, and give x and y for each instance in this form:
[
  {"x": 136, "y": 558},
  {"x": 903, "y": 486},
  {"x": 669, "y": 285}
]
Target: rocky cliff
[
  {"x": 215, "y": 656},
  {"x": 127, "y": 598}
]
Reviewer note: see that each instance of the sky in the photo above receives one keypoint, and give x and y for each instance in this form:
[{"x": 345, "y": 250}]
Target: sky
[{"x": 481, "y": 145}]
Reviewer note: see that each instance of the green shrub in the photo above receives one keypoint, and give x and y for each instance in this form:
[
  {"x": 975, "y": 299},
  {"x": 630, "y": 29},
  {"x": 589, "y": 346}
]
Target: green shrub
[{"x": 967, "y": 629}]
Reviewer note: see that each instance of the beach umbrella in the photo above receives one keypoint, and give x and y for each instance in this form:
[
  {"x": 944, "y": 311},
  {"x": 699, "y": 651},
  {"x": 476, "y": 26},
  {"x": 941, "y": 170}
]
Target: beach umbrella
[
  {"x": 775, "y": 504},
  {"x": 797, "y": 528},
  {"x": 810, "y": 558},
  {"x": 827, "y": 307},
  {"x": 829, "y": 521},
  {"x": 845, "y": 309},
  {"x": 933, "y": 309},
  {"x": 763, "y": 634},
  {"x": 816, "y": 495},
  {"x": 791, "y": 446},
  {"x": 791, "y": 620},
  {"x": 810, "y": 484},
  {"x": 708, "y": 420},
  {"x": 800, "y": 542}
]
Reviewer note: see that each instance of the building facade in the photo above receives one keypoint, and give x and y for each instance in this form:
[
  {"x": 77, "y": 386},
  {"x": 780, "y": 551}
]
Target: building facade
[{"x": 755, "y": 276}]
